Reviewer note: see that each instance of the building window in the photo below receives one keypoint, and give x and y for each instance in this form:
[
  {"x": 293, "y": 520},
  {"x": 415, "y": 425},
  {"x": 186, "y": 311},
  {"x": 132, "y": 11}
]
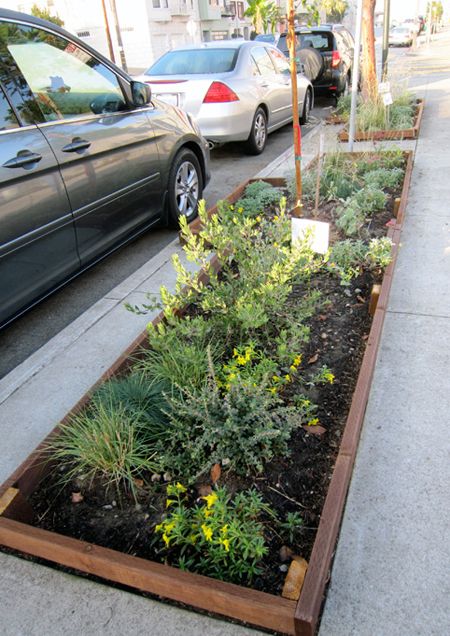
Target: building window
[{"x": 159, "y": 4}]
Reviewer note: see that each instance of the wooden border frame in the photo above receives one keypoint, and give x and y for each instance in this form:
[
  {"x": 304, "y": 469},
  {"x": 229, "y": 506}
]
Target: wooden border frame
[
  {"x": 388, "y": 135},
  {"x": 257, "y": 608}
]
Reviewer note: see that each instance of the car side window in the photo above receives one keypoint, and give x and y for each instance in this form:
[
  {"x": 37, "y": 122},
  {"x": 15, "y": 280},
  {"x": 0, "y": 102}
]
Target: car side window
[
  {"x": 263, "y": 61},
  {"x": 8, "y": 120},
  {"x": 281, "y": 62},
  {"x": 66, "y": 81}
]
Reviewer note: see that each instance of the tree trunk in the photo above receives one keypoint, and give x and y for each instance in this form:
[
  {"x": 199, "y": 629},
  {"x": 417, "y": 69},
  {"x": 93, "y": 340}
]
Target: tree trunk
[{"x": 368, "y": 64}]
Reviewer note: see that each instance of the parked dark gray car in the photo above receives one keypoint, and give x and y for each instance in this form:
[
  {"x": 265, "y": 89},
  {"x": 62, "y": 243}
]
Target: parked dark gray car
[{"x": 87, "y": 160}]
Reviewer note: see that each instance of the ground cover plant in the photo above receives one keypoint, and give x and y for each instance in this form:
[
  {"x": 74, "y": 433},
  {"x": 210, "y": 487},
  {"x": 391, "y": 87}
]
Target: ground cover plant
[
  {"x": 213, "y": 453},
  {"x": 372, "y": 115}
]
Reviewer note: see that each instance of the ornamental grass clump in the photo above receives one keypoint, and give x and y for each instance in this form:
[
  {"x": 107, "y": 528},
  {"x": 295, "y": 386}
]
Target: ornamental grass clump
[
  {"x": 105, "y": 442},
  {"x": 219, "y": 536}
]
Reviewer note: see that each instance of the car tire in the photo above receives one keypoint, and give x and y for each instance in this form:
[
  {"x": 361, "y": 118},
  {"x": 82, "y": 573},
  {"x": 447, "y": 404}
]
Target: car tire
[
  {"x": 304, "y": 118},
  {"x": 257, "y": 139},
  {"x": 185, "y": 187}
]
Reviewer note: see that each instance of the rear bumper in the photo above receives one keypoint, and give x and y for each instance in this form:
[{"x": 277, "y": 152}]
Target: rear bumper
[{"x": 221, "y": 123}]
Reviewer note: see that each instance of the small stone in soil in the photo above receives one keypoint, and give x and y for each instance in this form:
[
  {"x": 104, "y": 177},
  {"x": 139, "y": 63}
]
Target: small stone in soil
[
  {"x": 167, "y": 477},
  {"x": 283, "y": 568},
  {"x": 285, "y": 553},
  {"x": 156, "y": 477},
  {"x": 107, "y": 507}
]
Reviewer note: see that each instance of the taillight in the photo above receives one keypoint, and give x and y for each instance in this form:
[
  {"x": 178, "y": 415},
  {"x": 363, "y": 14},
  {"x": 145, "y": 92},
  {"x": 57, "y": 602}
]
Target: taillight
[
  {"x": 335, "y": 59},
  {"x": 219, "y": 93}
]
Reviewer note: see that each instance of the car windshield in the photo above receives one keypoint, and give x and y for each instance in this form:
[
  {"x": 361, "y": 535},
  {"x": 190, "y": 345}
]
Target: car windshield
[{"x": 195, "y": 62}]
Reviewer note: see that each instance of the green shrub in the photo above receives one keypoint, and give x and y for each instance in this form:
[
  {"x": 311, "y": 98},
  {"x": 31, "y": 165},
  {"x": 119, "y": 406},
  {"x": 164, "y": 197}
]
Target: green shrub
[
  {"x": 345, "y": 259},
  {"x": 243, "y": 428},
  {"x": 258, "y": 196},
  {"x": 222, "y": 537},
  {"x": 379, "y": 252},
  {"x": 384, "y": 178}
]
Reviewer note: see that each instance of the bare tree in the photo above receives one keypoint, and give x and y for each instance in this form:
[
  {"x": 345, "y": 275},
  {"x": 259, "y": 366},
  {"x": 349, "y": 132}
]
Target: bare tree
[{"x": 368, "y": 65}]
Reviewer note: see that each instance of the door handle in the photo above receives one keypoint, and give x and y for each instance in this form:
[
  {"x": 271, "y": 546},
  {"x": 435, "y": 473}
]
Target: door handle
[
  {"x": 24, "y": 158},
  {"x": 76, "y": 145}
]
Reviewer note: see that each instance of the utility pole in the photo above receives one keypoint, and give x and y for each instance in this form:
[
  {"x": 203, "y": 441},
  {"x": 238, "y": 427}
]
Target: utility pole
[
  {"x": 119, "y": 36},
  {"x": 108, "y": 33},
  {"x": 386, "y": 22},
  {"x": 355, "y": 76}
]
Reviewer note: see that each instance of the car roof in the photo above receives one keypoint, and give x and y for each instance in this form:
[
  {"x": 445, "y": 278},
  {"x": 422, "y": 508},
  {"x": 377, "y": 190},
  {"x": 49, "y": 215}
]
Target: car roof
[
  {"x": 25, "y": 18},
  {"x": 222, "y": 44}
]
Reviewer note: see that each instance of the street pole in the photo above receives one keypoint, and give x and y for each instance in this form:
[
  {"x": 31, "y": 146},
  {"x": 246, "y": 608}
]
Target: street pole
[
  {"x": 429, "y": 18},
  {"x": 118, "y": 35},
  {"x": 297, "y": 211},
  {"x": 355, "y": 76},
  {"x": 386, "y": 21},
  {"x": 108, "y": 33}
]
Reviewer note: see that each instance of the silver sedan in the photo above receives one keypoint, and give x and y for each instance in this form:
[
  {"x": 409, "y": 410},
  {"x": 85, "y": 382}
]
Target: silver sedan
[{"x": 236, "y": 90}]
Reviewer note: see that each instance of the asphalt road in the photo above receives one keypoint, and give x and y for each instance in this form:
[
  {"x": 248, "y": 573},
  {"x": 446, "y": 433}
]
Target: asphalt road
[{"x": 229, "y": 167}]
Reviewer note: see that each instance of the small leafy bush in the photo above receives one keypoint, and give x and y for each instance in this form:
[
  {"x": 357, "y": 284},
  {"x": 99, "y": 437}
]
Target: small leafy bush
[
  {"x": 222, "y": 537},
  {"x": 384, "y": 178},
  {"x": 379, "y": 252},
  {"x": 243, "y": 428},
  {"x": 345, "y": 259},
  {"x": 257, "y": 197},
  {"x": 350, "y": 217}
]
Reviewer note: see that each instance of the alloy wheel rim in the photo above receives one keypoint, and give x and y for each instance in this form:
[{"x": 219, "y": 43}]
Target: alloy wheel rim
[
  {"x": 260, "y": 130},
  {"x": 187, "y": 189}
]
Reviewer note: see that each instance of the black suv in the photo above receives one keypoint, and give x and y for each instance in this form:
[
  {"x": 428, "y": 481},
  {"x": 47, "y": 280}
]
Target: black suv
[{"x": 327, "y": 54}]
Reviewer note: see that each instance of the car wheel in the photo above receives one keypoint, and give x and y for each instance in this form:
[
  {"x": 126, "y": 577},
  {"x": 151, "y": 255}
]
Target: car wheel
[
  {"x": 257, "y": 139},
  {"x": 306, "y": 108},
  {"x": 185, "y": 187}
]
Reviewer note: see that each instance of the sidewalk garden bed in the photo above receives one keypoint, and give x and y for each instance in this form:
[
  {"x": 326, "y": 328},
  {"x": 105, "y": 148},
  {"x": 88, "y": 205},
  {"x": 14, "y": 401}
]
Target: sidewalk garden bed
[
  {"x": 405, "y": 120},
  {"x": 221, "y": 443}
]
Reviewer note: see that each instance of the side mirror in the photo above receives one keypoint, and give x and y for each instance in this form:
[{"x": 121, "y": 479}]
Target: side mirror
[{"x": 141, "y": 93}]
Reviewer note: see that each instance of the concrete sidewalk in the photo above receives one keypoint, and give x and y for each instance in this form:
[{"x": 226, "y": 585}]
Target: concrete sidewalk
[{"x": 391, "y": 572}]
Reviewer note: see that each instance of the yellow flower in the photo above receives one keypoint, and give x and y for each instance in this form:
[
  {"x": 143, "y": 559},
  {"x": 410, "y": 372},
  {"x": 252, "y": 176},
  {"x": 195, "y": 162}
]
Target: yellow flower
[
  {"x": 169, "y": 502},
  {"x": 313, "y": 422},
  {"x": 159, "y": 527},
  {"x": 329, "y": 377},
  {"x": 193, "y": 538},
  {"x": 169, "y": 527},
  {"x": 287, "y": 377},
  {"x": 258, "y": 219},
  {"x": 241, "y": 360},
  {"x": 207, "y": 531},
  {"x": 297, "y": 360},
  {"x": 208, "y": 513},
  {"x": 180, "y": 487},
  {"x": 210, "y": 499},
  {"x": 224, "y": 529},
  {"x": 292, "y": 368},
  {"x": 231, "y": 376},
  {"x": 226, "y": 544},
  {"x": 275, "y": 378},
  {"x": 166, "y": 539},
  {"x": 235, "y": 352},
  {"x": 272, "y": 390}
]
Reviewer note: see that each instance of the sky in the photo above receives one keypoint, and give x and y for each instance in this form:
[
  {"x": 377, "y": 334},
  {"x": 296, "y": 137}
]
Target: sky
[{"x": 401, "y": 9}]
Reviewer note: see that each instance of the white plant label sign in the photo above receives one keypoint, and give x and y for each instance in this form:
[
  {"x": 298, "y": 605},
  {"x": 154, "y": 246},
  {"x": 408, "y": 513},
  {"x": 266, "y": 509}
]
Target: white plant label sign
[
  {"x": 317, "y": 232},
  {"x": 387, "y": 99},
  {"x": 384, "y": 87}
]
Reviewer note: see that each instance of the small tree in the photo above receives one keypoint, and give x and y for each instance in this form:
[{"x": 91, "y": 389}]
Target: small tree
[
  {"x": 334, "y": 9},
  {"x": 45, "y": 14}
]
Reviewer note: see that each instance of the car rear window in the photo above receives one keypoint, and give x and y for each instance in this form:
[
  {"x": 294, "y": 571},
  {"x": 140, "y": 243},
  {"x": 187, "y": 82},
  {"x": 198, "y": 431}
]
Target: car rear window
[
  {"x": 195, "y": 62},
  {"x": 320, "y": 41}
]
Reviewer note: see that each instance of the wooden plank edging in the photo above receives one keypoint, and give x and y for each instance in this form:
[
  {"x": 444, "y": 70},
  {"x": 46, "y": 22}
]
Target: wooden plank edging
[{"x": 389, "y": 134}]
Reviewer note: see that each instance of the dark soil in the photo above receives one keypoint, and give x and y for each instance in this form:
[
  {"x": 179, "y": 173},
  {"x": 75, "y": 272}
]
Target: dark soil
[{"x": 297, "y": 483}]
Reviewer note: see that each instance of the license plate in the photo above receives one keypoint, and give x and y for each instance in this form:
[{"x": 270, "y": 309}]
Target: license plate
[{"x": 169, "y": 98}]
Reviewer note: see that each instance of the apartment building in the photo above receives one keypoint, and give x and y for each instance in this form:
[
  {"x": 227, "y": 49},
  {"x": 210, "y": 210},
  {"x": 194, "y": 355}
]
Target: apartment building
[{"x": 148, "y": 28}]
